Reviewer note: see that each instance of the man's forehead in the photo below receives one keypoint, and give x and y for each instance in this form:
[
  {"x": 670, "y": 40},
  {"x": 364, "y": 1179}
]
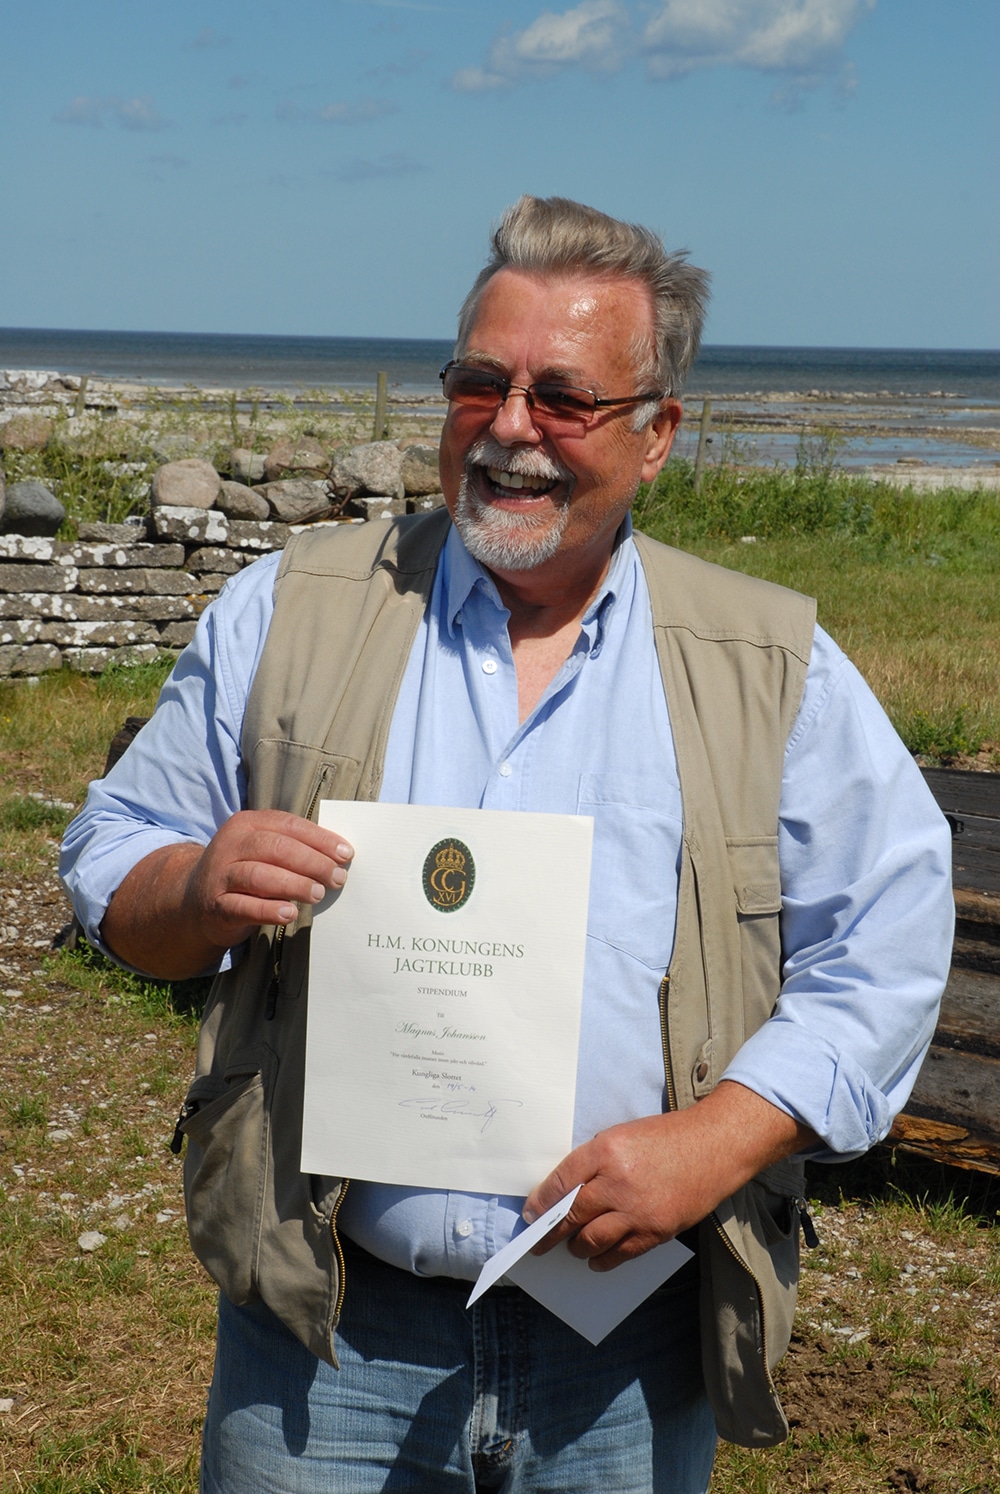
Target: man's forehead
[{"x": 561, "y": 321}]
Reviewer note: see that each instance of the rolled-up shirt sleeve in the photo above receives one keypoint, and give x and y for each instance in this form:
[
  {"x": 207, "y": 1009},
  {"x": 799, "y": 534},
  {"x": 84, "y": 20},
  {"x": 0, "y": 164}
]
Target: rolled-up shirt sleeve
[
  {"x": 867, "y": 919},
  {"x": 181, "y": 778}
]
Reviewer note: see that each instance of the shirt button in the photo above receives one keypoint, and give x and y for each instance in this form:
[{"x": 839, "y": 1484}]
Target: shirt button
[
  {"x": 489, "y": 666},
  {"x": 505, "y": 770},
  {"x": 464, "y": 1228}
]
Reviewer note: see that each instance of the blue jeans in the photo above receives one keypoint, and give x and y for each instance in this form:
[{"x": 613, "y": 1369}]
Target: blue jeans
[{"x": 432, "y": 1398}]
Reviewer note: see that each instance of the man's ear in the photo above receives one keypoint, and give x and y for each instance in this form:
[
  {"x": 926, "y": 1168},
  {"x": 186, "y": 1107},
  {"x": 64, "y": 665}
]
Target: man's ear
[{"x": 660, "y": 437}]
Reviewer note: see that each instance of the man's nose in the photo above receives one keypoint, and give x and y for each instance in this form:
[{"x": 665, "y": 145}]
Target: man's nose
[{"x": 512, "y": 424}]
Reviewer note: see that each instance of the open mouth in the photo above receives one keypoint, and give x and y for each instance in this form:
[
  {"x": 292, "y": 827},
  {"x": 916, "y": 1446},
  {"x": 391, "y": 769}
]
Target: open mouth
[{"x": 505, "y": 483}]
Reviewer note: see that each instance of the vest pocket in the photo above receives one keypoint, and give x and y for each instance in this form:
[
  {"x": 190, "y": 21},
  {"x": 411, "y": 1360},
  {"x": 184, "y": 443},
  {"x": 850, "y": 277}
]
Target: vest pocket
[
  {"x": 226, "y": 1125},
  {"x": 756, "y": 873}
]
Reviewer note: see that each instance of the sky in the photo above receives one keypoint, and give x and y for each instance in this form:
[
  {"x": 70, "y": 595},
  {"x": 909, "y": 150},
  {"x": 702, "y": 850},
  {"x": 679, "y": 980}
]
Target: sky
[{"x": 333, "y": 167}]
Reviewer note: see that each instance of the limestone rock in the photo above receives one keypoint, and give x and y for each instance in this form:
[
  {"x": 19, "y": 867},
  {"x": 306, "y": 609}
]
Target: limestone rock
[
  {"x": 191, "y": 483},
  {"x": 28, "y": 659},
  {"x": 237, "y": 501},
  {"x": 28, "y": 547},
  {"x": 130, "y": 533},
  {"x": 31, "y": 508},
  {"x": 375, "y": 508},
  {"x": 420, "y": 470},
  {"x": 305, "y": 457},
  {"x": 248, "y": 534},
  {"x": 376, "y": 467},
  {"x": 214, "y": 558},
  {"x": 245, "y": 465},
  {"x": 26, "y": 433},
  {"x": 424, "y": 504},
  {"x": 295, "y": 498}
]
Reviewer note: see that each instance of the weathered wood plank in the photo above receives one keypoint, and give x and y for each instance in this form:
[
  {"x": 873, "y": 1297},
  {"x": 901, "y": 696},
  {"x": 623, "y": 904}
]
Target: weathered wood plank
[
  {"x": 939, "y": 1142},
  {"x": 962, "y": 793},
  {"x": 970, "y": 1013},
  {"x": 962, "y": 1089},
  {"x": 976, "y": 830},
  {"x": 975, "y": 867}
]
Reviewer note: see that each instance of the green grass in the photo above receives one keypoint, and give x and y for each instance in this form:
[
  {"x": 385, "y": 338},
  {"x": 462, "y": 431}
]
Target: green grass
[{"x": 906, "y": 583}]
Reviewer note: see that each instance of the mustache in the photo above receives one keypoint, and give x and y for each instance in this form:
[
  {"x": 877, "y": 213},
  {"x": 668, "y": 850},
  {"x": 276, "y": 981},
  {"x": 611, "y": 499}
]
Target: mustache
[{"x": 525, "y": 461}]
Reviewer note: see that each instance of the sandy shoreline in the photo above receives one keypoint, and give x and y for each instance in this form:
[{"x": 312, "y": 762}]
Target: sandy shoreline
[{"x": 874, "y": 430}]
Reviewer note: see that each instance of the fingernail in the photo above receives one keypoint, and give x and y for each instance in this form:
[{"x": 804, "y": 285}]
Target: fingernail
[
  {"x": 528, "y": 1215},
  {"x": 344, "y": 851},
  {"x": 287, "y": 913},
  {"x": 338, "y": 876},
  {"x": 318, "y": 892}
]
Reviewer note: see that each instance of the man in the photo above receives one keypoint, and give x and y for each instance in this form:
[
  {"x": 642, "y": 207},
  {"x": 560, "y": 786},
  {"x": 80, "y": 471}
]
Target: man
[{"x": 767, "y": 941}]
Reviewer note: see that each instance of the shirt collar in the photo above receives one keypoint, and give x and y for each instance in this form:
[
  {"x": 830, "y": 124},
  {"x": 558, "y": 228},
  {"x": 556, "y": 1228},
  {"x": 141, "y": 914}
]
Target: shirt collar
[{"x": 461, "y": 575}]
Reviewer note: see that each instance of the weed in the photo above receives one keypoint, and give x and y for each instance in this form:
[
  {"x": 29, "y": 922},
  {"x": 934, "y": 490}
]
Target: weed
[
  {"x": 942, "y": 740},
  {"x": 29, "y": 1110}
]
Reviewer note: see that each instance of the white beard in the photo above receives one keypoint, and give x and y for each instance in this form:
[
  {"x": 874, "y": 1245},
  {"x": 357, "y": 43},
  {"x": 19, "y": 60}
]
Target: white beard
[{"x": 498, "y": 538}]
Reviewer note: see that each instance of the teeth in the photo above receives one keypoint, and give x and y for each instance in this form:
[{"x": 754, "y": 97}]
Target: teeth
[{"x": 504, "y": 479}]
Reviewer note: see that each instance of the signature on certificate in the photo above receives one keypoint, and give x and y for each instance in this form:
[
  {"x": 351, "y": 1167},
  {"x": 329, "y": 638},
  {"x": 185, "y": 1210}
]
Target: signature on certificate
[{"x": 477, "y": 1109}]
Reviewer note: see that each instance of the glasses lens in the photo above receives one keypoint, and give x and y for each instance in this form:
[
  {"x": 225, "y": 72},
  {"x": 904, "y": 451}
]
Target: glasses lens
[
  {"x": 563, "y": 402},
  {"x": 474, "y": 386}
]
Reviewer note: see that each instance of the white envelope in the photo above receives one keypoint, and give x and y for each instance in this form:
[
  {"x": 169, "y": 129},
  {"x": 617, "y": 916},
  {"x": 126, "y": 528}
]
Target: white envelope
[{"x": 591, "y": 1302}]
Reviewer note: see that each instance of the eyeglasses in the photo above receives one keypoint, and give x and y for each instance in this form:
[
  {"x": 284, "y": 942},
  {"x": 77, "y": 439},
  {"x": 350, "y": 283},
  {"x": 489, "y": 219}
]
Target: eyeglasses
[{"x": 478, "y": 388}]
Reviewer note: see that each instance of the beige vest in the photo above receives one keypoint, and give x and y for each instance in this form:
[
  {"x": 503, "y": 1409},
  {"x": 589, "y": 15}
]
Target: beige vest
[{"x": 733, "y": 653}]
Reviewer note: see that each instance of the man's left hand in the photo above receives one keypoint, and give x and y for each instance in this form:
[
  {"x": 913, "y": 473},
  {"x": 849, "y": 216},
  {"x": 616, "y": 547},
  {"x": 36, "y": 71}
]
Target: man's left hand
[{"x": 647, "y": 1180}]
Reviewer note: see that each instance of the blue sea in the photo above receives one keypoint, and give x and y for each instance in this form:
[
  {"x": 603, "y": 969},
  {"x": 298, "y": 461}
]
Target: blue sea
[{"x": 245, "y": 361}]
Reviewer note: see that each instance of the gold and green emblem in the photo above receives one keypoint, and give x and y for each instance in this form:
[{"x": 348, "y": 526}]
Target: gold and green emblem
[{"x": 449, "y": 875}]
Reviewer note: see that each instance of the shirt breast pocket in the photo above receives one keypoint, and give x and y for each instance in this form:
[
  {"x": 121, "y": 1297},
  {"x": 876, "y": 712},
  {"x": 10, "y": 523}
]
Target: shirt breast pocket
[{"x": 633, "y": 878}]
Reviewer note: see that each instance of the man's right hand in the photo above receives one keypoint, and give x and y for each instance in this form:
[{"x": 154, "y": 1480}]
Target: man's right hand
[{"x": 181, "y": 907}]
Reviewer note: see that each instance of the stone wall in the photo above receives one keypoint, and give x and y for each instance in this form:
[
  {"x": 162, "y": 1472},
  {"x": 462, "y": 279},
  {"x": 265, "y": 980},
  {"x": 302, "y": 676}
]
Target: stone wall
[{"x": 127, "y": 591}]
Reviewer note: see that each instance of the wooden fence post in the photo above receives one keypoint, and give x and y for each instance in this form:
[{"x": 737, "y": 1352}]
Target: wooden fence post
[
  {"x": 381, "y": 398},
  {"x": 703, "y": 440}
]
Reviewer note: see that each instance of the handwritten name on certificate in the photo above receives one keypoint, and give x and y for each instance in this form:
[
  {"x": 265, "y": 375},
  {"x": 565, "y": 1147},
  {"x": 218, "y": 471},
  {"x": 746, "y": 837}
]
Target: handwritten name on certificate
[{"x": 445, "y": 983}]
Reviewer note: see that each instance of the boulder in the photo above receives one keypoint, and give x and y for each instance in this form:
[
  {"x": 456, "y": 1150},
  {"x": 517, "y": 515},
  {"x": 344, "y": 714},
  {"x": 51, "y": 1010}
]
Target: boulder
[
  {"x": 295, "y": 499},
  {"x": 26, "y": 433},
  {"x": 31, "y": 508},
  {"x": 304, "y": 457},
  {"x": 376, "y": 467},
  {"x": 245, "y": 465},
  {"x": 237, "y": 501},
  {"x": 191, "y": 483},
  {"x": 420, "y": 469}
]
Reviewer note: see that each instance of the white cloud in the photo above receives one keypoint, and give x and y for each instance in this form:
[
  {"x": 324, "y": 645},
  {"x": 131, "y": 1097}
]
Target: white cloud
[
  {"x": 592, "y": 35},
  {"x": 137, "y": 114},
  {"x": 344, "y": 111},
  {"x": 802, "y": 40},
  {"x": 800, "y": 36}
]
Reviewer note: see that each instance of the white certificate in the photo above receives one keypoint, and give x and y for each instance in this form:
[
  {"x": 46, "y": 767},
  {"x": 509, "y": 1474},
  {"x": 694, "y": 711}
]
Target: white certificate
[{"x": 445, "y": 984}]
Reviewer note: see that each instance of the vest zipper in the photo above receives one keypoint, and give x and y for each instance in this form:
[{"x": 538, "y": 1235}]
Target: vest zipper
[
  {"x": 277, "y": 948},
  {"x": 345, "y": 1182},
  {"x": 339, "y": 1250},
  {"x": 668, "y": 1074}
]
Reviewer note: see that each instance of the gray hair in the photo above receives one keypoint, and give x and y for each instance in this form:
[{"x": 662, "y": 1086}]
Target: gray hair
[{"x": 556, "y": 236}]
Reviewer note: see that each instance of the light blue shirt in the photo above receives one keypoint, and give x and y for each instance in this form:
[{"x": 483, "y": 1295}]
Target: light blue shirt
[{"x": 865, "y": 858}]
